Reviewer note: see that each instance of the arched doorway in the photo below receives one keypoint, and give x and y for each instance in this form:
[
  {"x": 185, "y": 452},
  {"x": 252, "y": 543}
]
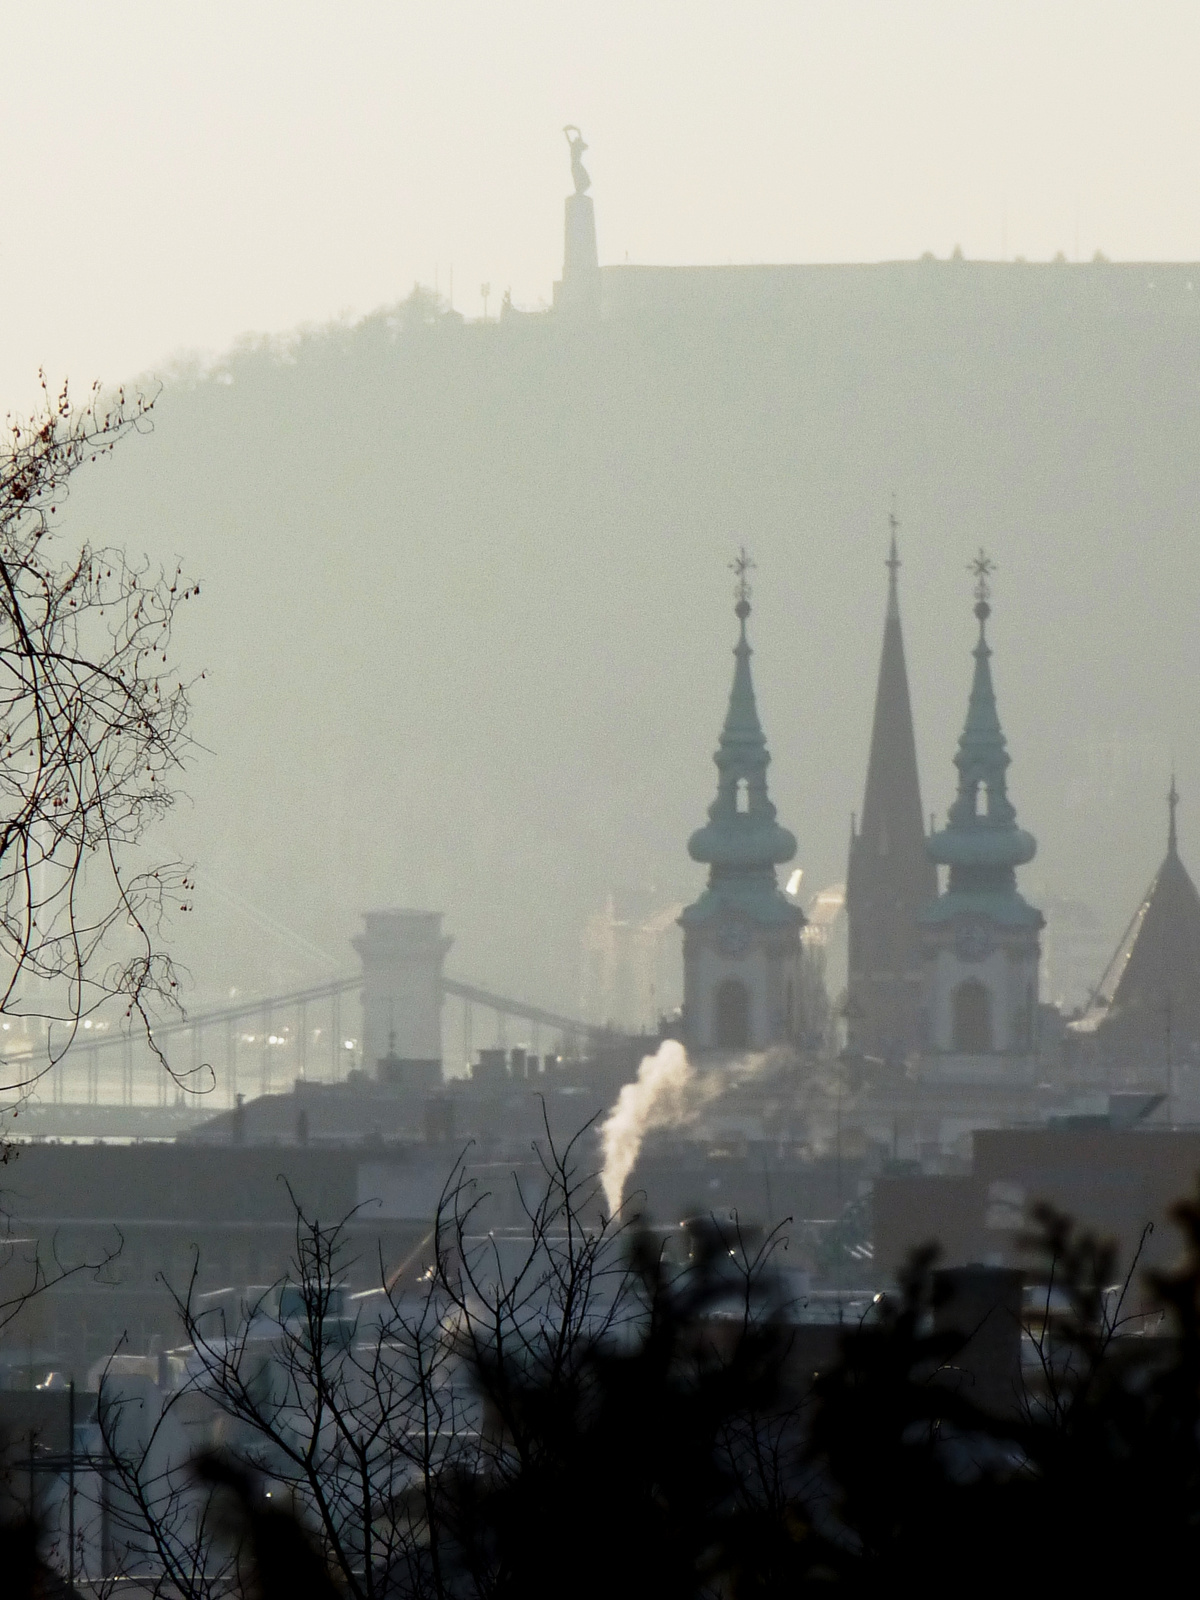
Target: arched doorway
[
  {"x": 732, "y": 1007},
  {"x": 972, "y": 1018}
]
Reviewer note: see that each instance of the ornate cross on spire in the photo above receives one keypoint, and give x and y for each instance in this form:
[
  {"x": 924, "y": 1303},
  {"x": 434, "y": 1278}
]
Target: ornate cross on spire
[
  {"x": 1172, "y": 806},
  {"x": 982, "y": 567},
  {"x": 740, "y": 566}
]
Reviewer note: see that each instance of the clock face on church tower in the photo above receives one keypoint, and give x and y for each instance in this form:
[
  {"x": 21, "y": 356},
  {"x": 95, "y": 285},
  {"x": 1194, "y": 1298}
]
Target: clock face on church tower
[{"x": 733, "y": 938}]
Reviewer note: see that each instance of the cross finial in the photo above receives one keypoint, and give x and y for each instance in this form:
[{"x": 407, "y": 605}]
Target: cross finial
[
  {"x": 740, "y": 566},
  {"x": 1172, "y": 806},
  {"x": 982, "y": 566},
  {"x": 893, "y": 563}
]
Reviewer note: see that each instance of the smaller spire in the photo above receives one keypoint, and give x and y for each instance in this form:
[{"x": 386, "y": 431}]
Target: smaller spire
[
  {"x": 982, "y": 754},
  {"x": 741, "y": 720},
  {"x": 741, "y": 831},
  {"x": 981, "y": 826},
  {"x": 1172, "y": 806},
  {"x": 893, "y": 565}
]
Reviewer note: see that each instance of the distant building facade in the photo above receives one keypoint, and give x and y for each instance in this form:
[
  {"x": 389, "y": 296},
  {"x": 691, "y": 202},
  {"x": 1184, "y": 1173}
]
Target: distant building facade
[
  {"x": 891, "y": 878},
  {"x": 981, "y": 1214},
  {"x": 980, "y": 938},
  {"x": 741, "y": 938},
  {"x": 629, "y": 972},
  {"x": 157, "y": 1214}
]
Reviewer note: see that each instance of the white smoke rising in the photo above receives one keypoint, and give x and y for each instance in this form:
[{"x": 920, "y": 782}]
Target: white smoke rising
[
  {"x": 668, "y": 1092},
  {"x": 661, "y": 1096}
]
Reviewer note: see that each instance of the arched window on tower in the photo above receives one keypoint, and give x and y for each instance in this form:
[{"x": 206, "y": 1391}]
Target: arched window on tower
[
  {"x": 743, "y": 795},
  {"x": 972, "y": 1018},
  {"x": 732, "y": 1015}
]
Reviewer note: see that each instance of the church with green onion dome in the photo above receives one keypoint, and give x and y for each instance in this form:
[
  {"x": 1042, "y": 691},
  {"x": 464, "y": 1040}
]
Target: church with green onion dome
[
  {"x": 981, "y": 938},
  {"x": 741, "y": 938}
]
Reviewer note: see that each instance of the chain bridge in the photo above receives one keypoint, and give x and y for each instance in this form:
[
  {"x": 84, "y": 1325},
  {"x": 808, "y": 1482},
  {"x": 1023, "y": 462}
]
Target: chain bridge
[{"x": 261, "y": 1046}]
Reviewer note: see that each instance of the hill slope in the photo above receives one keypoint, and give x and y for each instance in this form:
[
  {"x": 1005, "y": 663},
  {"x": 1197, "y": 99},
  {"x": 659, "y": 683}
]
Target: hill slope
[{"x": 468, "y": 622}]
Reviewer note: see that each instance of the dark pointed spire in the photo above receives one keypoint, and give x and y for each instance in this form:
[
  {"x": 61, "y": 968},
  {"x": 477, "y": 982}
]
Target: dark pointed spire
[
  {"x": 893, "y": 566},
  {"x": 891, "y": 813},
  {"x": 1148, "y": 1008},
  {"x": 890, "y": 877}
]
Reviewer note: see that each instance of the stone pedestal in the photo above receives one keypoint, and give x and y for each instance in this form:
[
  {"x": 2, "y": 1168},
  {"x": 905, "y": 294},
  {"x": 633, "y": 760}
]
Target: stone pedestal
[
  {"x": 578, "y": 295},
  {"x": 402, "y": 954}
]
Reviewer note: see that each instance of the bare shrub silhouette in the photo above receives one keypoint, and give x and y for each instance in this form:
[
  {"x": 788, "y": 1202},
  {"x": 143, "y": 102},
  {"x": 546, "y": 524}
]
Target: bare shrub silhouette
[
  {"x": 579, "y": 1403},
  {"x": 93, "y": 731}
]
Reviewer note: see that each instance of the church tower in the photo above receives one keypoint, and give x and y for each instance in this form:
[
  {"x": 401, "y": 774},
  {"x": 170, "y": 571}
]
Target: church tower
[
  {"x": 1150, "y": 1024},
  {"x": 980, "y": 937},
  {"x": 741, "y": 938},
  {"x": 890, "y": 878}
]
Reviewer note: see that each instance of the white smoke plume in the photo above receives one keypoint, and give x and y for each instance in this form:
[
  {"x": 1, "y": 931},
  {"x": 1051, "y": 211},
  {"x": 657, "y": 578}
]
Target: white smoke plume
[
  {"x": 668, "y": 1092},
  {"x": 658, "y": 1097}
]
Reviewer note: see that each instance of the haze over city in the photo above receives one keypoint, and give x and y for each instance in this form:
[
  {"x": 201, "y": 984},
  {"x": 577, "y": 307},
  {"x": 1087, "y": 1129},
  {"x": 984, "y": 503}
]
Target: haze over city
[
  {"x": 200, "y": 197},
  {"x": 598, "y": 796},
  {"x": 204, "y": 172}
]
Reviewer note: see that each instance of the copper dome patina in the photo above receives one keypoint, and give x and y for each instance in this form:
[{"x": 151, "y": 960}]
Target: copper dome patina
[
  {"x": 742, "y": 843},
  {"x": 981, "y": 842}
]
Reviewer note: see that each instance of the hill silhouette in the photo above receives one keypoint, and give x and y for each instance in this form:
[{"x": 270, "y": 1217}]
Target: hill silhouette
[{"x": 468, "y": 625}]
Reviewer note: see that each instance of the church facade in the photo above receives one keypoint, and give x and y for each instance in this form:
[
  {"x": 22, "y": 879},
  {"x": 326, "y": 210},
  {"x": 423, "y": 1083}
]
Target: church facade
[
  {"x": 980, "y": 937},
  {"x": 943, "y": 1008},
  {"x": 741, "y": 938},
  {"x": 943, "y": 986}
]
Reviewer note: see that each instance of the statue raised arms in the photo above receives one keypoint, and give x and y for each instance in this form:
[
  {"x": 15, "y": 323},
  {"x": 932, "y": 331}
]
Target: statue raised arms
[{"x": 575, "y": 141}]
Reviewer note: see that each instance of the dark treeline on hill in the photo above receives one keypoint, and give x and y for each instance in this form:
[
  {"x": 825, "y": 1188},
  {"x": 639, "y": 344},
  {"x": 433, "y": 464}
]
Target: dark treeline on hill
[{"x": 467, "y": 614}]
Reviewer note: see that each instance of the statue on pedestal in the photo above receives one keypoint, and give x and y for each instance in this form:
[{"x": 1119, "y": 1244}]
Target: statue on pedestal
[
  {"x": 578, "y": 293},
  {"x": 577, "y": 147}
]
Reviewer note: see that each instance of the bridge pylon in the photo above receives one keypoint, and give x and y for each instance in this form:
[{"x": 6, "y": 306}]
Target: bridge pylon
[{"x": 402, "y": 954}]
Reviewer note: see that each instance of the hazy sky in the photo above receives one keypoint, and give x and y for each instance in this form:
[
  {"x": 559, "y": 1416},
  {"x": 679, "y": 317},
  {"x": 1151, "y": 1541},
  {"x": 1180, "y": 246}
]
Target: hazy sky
[{"x": 177, "y": 175}]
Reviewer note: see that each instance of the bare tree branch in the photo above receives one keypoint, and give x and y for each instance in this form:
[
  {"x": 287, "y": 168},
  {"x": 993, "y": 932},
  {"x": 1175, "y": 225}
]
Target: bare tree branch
[{"x": 93, "y": 733}]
